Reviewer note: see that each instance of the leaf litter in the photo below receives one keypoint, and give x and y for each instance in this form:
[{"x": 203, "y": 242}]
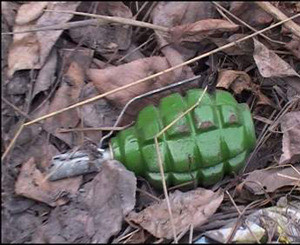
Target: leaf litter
[
  {"x": 45, "y": 71},
  {"x": 189, "y": 208}
]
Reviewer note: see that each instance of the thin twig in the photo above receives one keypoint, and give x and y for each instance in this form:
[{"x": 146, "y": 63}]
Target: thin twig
[
  {"x": 143, "y": 80},
  {"x": 165, "y": 189},
  {"x": 137, "y": 30},
  {"x": 160, "y": 163},
  {"x": 113, "y": 19},
  {"x": 240, "y": 213},
  {"x": 140, "y": 10},
  {"x": 92, "y": 129},
  {"x": 16, "y": 108},
  {"x": 265, "y": 134},
  {"x": 148, "y": 194},
  {"x": 135, "y": 49},
  {"x": 289, "y": 177},
  {"x": 245, "y": 24},
  {"x": 191, "y": 234},
  {"x": 182, "y": 115},
  {"x": 276, "y": 13}
]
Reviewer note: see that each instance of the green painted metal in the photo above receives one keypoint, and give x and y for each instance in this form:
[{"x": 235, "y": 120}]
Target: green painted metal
[{"x": 212, "y": 140}]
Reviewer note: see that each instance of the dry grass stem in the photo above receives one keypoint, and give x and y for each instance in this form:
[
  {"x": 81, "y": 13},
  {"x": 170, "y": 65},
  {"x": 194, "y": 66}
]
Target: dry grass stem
[
  {"x": 142, "y": 80},
  {"x": 92, "y": 129},
  {"x": 165, "y": 189},
  {"x": 240, "y": 214},
  {"x": 160, "y": 163},
  {"x": 191, "y": 234},
  {"x": 276, "y": 13},
  {"x": 245, "y": 24},
  {"x": 112, "y": 19},
  {"x": 267, "y": 130}
]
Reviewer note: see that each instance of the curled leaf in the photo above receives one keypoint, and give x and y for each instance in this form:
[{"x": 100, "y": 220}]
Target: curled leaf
[{"x": 239, "y": 81}]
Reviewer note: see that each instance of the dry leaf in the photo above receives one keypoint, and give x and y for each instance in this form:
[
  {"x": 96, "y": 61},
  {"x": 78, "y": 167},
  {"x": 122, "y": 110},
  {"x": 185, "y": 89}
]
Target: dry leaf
[
  {"x": 114, "y": 77},
  {"x": 293, "y": 87},
  {"x": 243, "y": 48},
  {"x": 270, "y": 64},
  {"x": 290, "y": 126},
  {"x": 171, "y": 14},
  {"x": 239, "y": 81},
  {"x": 105, "y": 38},
  {"x": 68, "y": 94},
  {"x": 31, "y": 183},
  {"x": 272, "y": 179},
  {"x": 250, "y": 13},
  {"x": 294, "y": 47},
  {"x": 29, "y": 12},
  {"x": 30, "y": 50},
  {"x": 97, "y": 114},
  {"x": 95, "y": 214},
  {"x": 197, "y": 31},
  {"x": 46, "y": 75},
  {"x": 193, "y": 207},
  {"x": 8, "y": 13}
]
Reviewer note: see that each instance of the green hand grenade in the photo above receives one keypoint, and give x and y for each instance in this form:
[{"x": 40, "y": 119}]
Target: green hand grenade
[{"x": 210, "y": 141}]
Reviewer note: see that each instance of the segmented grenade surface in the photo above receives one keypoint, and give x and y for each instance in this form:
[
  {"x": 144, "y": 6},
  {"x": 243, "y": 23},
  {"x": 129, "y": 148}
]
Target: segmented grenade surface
[{"x": 212, "y": 140}]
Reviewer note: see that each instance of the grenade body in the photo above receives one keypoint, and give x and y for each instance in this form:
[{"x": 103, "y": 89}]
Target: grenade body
[{"x": 210, "y": 141}]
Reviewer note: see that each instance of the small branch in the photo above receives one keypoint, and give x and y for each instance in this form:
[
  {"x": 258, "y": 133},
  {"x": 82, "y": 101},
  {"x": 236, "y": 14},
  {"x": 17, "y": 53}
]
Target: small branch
[
  {"x": 120, "y": 20},
  {"x": 16, "y": 108},
  {"x": 276, "y": 13}
]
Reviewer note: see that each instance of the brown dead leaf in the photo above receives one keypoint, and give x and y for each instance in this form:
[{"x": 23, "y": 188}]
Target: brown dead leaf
[
  {"x": 193, "y": 207},
  {"x": 68, "y": 94},
  {"x": 294, "y": 47},
  {"x": 31, "y": 183},
  {"x": 29, "y": 12},
  {"x": 8, "y": 12},
  {"x": 97, "y": 114},
  {"x": 171, "y": 14},
  {"x": 95, "y": 214},
  {"x": 293, "y": 87},
  {"x": 197, "y": 31},
  {"x": 270, "y": 64},
  {"x": 109, "y": 78},
  {"x": 104, "y": 38},
  {"x": 250, "y": 13},
  {"x": 272, "y": 179},
  {"x": 290, "y": 126},
  {"x": 46, "y": 75},
  {"x": 242, "y": 48},
  {"x": 30, "y": 50},
  {"x": 239, "y": 81}
]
